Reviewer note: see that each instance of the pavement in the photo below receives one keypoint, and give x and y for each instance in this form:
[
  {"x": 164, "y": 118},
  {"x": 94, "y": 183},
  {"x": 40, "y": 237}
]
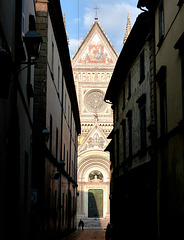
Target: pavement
[{"x": 86, "y": 235}]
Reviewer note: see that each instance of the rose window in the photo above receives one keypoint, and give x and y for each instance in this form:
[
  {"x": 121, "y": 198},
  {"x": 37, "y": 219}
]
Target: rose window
[{"x": 94, "y": 101}]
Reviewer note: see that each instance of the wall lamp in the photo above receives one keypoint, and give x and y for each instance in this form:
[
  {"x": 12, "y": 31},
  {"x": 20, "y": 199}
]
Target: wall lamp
[
  {"x": 74, "y": 185},
  {"x": 46, "y": 134},
  {"x": 56, "y": 176},
  {"x": 33, "y": 43},
  {"x": 62, "y": 163},
  {"x": 69, "y": 178}
]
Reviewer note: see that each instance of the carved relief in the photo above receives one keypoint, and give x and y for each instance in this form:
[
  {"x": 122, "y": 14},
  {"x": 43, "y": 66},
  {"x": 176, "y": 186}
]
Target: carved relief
[
  {"x": 95, "y": 142},
  {"x": 92, "y": 76}
]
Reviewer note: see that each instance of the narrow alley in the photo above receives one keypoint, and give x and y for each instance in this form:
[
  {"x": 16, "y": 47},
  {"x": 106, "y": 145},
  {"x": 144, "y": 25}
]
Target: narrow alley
[
  {"x": 87, "y": 235},
  {"x": 92, "y": 119}
]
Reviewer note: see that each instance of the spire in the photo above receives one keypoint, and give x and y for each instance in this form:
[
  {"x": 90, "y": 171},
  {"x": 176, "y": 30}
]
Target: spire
[
  {"x": 65, "y": 27},
  {"x": 128, "y": 28}
]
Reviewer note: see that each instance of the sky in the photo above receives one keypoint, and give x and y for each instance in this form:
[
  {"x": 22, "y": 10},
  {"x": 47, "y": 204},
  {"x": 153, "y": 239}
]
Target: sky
[{"x": 112, "y": 17}]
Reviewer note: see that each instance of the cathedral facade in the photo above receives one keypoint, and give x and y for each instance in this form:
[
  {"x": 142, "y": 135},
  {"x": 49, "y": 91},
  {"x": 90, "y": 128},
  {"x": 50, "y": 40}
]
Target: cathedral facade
[{"x": 93, "y": 65}]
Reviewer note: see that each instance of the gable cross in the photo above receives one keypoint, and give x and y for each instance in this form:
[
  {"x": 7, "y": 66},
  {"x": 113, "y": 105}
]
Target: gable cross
[{"x": 96, "y": 14}]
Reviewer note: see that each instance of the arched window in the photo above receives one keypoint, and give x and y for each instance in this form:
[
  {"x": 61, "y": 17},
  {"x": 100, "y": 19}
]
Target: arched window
[{"x": 95, "y": 176}]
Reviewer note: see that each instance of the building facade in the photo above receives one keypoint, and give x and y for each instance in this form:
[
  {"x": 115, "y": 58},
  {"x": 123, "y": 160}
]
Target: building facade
[
  {"x": 169, "y": 40},
  {"x": 132, "y": 149},
  {"x": 147, "y": 139},
  {"x": 39, "y": 123},
  {"x": 93, "y": 64},
  {"x": 56, "y": 127},
  {"x": 16, "y": 118}
]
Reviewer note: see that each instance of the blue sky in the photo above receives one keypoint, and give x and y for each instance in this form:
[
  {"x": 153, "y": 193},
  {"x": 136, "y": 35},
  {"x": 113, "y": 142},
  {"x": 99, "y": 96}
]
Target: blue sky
[{"x": 112, "y": 16}]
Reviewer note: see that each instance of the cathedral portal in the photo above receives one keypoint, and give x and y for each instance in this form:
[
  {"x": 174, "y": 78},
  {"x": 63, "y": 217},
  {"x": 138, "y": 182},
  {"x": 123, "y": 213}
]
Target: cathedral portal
[{"x": 93, "y": 65}]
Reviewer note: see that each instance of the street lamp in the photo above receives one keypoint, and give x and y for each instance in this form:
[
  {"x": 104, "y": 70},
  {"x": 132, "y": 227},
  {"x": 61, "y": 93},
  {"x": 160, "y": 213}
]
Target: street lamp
[
  {"x": 46, "y": 134},
  {"x": 33, "y": 43}
]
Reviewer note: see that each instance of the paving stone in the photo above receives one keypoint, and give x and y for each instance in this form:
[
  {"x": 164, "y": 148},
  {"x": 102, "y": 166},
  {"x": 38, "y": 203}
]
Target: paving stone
[{"x": 87, "y": 235}]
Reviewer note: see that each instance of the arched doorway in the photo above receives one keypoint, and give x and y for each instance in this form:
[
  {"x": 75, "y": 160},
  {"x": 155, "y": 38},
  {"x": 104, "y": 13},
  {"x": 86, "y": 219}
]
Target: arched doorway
[{"x": 93, "y": 187}]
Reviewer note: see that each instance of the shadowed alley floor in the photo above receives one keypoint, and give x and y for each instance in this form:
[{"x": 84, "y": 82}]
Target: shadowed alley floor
[{"x": 86, "y": 235}]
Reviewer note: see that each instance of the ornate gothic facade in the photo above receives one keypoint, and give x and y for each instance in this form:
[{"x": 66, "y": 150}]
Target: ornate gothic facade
[{"x": 93, "y": 64}]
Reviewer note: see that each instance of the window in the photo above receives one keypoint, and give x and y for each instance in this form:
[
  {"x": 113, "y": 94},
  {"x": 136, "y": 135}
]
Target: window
[
  {"x": 63, "y": 208},
  {"x": 55, "y": 209},
  {"x": 72, "y": 169},
  {"x": 117, "y": 148},
  {"x": 129, "y": 117},
  {"x": 69, "y": 112},
  {"x": 129, "y": 86},
  {"x": 26, "y": 192},
  {"x": 52, "y": 63},
  {"x": 180, "y": 45},
  {"x": 23, "y": 19},
  {"x": 163, "y": 108},
  {"x": 161, "y": 22},
  {"x": 117, "y": 111},
  {"x": 64, "y": 154},
  {"x": 161, "y": 80},
  {"x": 66, "y": 217},
  {"x": 143, "y": 125},
  {"x": 95, "y": 176},
  {"x": 62, "y": 87},
  {"x": 50, "y": 145},
  {"x": 65, "y": 104},
  {"x": 124, "y": 138},
  {"x": 58, "y": 77},
  {"x": 182, "y": 69},
  {"x": 142, "y": 66},
  {"x": 142, "y": 109},
  {"x": 67, "y": 160},
  {"x": 56, "y": 143},
  {"x": 124, "y": 97}
]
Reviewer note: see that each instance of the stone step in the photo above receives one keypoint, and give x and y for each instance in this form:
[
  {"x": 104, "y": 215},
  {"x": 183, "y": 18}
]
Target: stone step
[{"x": 95, "y": 223}]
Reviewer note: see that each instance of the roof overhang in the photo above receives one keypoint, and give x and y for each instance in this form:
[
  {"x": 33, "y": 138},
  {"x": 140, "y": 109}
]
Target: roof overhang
[{"x": 149, "y": 4}]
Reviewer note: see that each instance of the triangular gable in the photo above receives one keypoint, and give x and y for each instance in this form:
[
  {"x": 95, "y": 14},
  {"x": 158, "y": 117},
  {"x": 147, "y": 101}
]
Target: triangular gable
[
  {"x": 95, "y": 50},
  {"x": 95, "y": 140}
]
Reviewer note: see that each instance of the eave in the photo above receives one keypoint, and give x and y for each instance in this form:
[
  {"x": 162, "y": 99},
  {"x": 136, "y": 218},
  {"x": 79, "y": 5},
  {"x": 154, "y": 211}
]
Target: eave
[
  {"x": 149, "y": 4},
  {"x": 62, "y": 44}
]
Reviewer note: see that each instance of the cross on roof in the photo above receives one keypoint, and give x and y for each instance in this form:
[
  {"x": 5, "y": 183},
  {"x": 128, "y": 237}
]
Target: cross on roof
[{"x": 96, "y": 15}]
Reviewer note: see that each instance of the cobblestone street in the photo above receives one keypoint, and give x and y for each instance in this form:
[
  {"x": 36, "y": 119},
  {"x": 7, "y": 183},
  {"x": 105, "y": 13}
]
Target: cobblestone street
[{"x": 86, "y": 235}]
